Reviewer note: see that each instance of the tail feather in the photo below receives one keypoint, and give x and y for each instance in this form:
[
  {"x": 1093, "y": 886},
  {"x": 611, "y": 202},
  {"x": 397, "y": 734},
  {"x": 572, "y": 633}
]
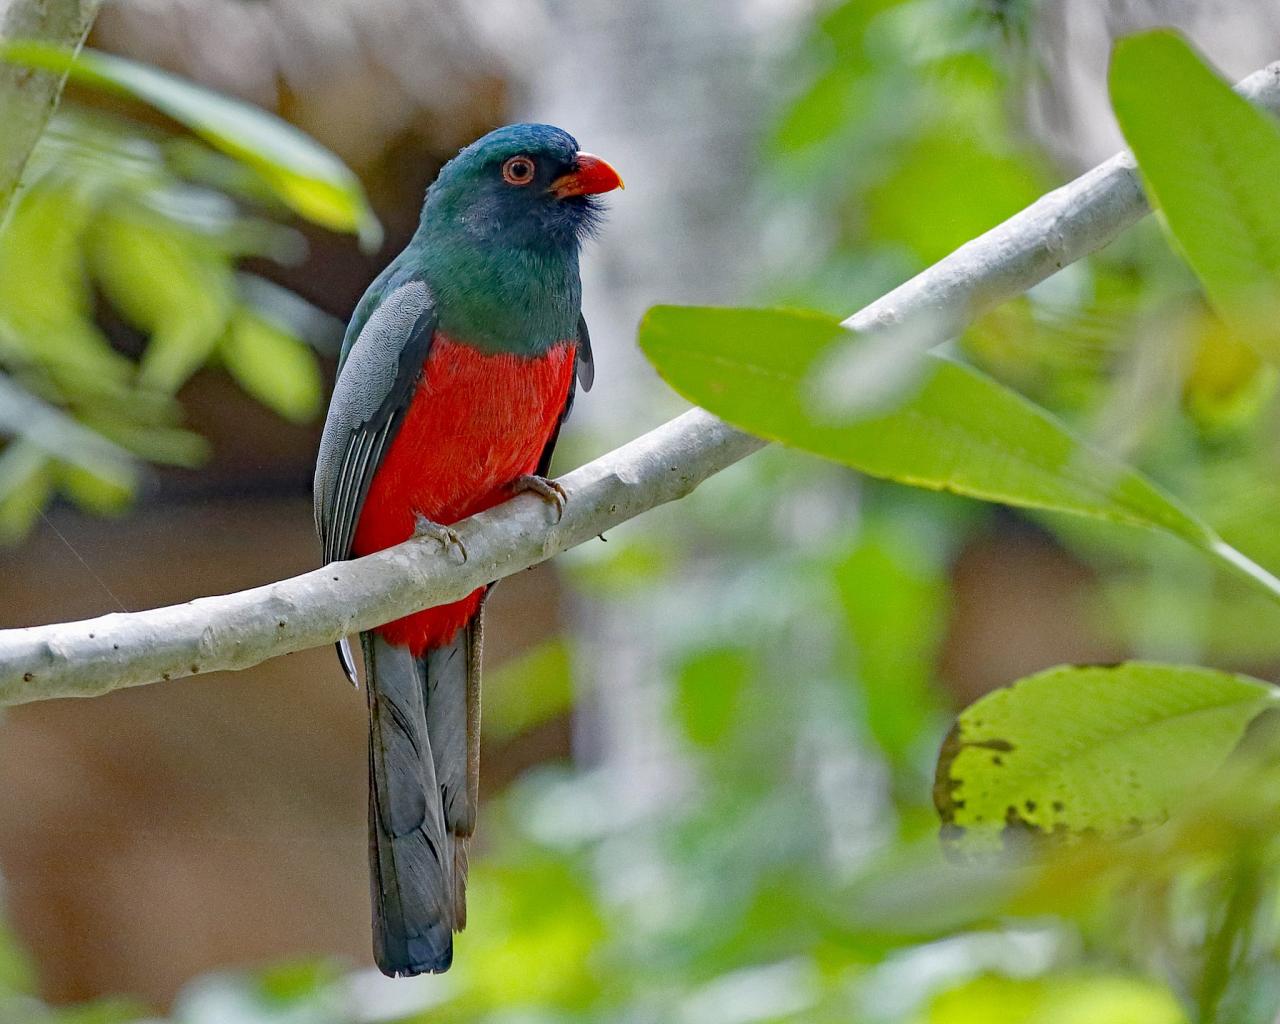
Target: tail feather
[
  {"x": 423, "y": 766},
  {"x": 452, "y": 698}
]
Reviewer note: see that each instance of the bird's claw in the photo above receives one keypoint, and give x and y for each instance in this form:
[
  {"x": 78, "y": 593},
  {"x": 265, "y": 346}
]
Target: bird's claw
[
  {"x": 549, "y": 491},
  {"x": 446, "y": 536}
]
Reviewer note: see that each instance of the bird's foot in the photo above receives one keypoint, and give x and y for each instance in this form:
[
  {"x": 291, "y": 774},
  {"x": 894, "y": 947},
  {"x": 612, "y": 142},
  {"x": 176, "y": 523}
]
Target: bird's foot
[
  {"x": 446, "y": 536},
  {"x": 548, "y": 490}
]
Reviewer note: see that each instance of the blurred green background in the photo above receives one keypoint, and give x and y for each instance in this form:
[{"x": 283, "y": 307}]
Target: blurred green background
[{"x": 709, "y": 742}]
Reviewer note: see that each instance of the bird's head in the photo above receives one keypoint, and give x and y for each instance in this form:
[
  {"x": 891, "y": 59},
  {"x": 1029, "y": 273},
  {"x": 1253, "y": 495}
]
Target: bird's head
[{"x": 522, "y": 186}]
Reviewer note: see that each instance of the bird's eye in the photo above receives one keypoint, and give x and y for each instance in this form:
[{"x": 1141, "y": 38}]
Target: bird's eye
[{"x": 518, "y": 170}]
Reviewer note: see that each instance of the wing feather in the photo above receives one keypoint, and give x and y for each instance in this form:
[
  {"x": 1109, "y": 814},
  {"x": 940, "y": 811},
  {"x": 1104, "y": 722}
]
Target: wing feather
[
  {"x": 375, "y": 386},
  {"x": 373, "y": 392},
  {"x": 584, "y": 374},
  {"x": 586, "y": 361}
]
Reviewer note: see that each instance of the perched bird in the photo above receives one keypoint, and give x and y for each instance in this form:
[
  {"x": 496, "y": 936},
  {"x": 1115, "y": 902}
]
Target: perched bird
[{"x": 456, "y": 372}]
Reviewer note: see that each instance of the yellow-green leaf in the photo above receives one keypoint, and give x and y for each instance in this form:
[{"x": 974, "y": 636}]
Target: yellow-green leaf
[
  {"x": 1088, "y": 750},
  {"x": 26, "y": 485},
  {"x": 273, "y": 366},
  {"x": 169, "y": 282}
]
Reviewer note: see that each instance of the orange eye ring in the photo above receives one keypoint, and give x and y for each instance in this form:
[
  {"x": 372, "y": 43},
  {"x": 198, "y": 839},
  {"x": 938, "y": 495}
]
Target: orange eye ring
[{"x": 518, "y": 170}]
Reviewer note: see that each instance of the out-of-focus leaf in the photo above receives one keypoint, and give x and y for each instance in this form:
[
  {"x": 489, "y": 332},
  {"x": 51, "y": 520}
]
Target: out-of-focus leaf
[
  {"x": 709, "y": 689},
  {"x": 45, "y": 303},
  {"x": 26, "y": 485},
  {"x": 307, "y": 176},
  {"x": 919, "y": 206},
  {"x": 1211, "y": 160},
  {"x": 912, "y": 894},
  {"x": 844, "y": 26},
  {"x": 894, "y": 600},
  {"x": 961, "y": 431},
  {"x": 95, "y": 493},
  {"x": 322, "y": 331},
  {"x": 295, "y": 983},
  {"x": 528, "y": 690},
  {"x": 102, "y": 1011},
  {"x": 1237, "y": 628},
  {"x": 1088, "y": 750},
  {"x": 273, "y": 366},
  {"x": 624, "y": 565},
  {"x": 825, "y": 109},
  {"x": 25, "y": 416},
  {"x": 534, "y": 944},
  {"x": 1227, "y": 385},
  {"x": 169, "y": 282},
  {"x": 170, "y": 445},
  {"x": 1055, "y": 999},
  {"x": 17, "y": 974}
]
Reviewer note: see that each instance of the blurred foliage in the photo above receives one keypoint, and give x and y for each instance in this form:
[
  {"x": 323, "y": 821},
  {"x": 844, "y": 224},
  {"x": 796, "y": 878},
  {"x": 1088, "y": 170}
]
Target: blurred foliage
[
  {"x": 770, "y": 852},
  {"x": 305, "y": 175},
  {"x": 118, "y": 222}
]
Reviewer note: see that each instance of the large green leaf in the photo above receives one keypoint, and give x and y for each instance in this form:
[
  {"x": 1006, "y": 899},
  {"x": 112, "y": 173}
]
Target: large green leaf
[
  {"x": 1088, "y": 750},
  {"x": 775, "y": 373},
  {"x": 1211, "y": 161},
  {"x": 305, "y": 175}
]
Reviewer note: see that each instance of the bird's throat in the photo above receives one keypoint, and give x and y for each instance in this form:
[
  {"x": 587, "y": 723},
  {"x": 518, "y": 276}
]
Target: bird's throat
[{"x": 497, "y": 299}]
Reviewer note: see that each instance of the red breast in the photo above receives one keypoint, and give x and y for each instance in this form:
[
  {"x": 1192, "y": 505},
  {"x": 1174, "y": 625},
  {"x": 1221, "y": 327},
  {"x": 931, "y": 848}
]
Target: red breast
[{"x": 476, "y": 422}]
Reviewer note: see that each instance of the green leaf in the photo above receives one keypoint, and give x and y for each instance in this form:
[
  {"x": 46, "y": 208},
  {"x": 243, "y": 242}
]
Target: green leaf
[
  {"x": 305, "y": 175},
  {"x": 709, "y": 690},
  {"x": 895, "y": 601},
  {"x": 916, "y": 205},
  {"x": 17, "y": 972},
  {"x": 171, "y": 445},
  {"x": 296, "y": 982},
  {"x": 45, "y": 299},
  {"x": 1211, "y": 161},
  {"x": 775, "y": 373},
  {"x": 273, "y": 366},
  {"x": 112, "y": 1010},
  {"x": 528, "y": 691},
  {"x": 26, "y": 485},
  {"x": 93, "y": 492},
  {"x": 1056, "y": 999},
  {"x": 826, "y": 108},
  {"x": 168, "y": 281},
  {"x": 1077, "y": 750}
]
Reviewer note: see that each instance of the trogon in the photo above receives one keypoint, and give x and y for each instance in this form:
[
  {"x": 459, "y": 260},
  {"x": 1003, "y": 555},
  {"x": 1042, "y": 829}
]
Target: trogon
[{"x": 457, "y": 370}]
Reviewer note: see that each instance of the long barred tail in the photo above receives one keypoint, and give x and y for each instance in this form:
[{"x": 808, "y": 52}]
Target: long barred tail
[{"x": 424, "y": 759}]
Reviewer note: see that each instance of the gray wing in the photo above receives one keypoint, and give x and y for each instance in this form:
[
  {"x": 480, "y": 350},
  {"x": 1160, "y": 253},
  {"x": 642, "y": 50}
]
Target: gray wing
[
  {"x": 374, "y": 387},
  {"x": 586, "y": 364},
  {"x": 585, "y": 372}
]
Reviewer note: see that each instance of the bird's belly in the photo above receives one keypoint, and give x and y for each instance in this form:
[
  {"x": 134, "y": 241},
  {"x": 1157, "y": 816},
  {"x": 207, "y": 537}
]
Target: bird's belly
[{"x": 475, "y": 424}]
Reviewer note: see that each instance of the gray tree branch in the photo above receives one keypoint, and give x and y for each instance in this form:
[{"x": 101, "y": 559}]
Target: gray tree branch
[{"x": 236, "y": 631}]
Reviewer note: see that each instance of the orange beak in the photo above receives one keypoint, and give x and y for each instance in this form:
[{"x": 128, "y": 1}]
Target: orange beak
[{"x": 590, "y": 176}]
